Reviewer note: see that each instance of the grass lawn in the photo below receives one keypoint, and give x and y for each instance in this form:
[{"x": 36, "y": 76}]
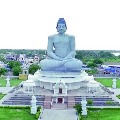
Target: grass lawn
[
  {"x": 2, "y": 95},
  {"x": 16, "y": 114},
  {"x": 13, "y": 82},
  {"x": 108, "y": 82},
  {"x": 104, "y": 114}
]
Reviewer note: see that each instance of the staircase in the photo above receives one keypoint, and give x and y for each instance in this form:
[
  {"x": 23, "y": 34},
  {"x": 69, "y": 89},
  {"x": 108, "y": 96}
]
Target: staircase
[
  {"x": 59, "y": 106},
  {"x": 71, "y": 101},
  {"x": 47, "y": 102}
]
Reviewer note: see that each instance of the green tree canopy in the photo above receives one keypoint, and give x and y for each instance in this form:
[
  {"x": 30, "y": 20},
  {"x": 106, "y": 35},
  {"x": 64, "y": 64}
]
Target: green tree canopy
[
  {"x": 2, "y": 59},
  {"x": 91, "y": 65},
  {"x": 33, "y": 68},
  {"x": 13, "y": 64},
  {"x": 97, "y": 61},
  {"x": 2, "y": 71},
  {"x": 103, "y": 54},
  {"x": 16, "y": 70}
]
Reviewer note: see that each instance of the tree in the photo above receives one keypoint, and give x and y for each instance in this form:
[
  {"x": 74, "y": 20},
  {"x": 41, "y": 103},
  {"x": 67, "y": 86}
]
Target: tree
[
  {"x": 2, "y": 59},
  {"x": 13, "y": 64},
  {"x": 16, "y": 70},
  {"x": 118, "y": 56},
  {"x": 106, "y": 54},
  {"x": 97, "y": 61},
  {"x": 2, "y": 71},
  {"x": 33, "y": 68},
  {"x": 92, "y": 71},
  {"x": 79, "y": 55},
  {"x": 91, "y": 65}
]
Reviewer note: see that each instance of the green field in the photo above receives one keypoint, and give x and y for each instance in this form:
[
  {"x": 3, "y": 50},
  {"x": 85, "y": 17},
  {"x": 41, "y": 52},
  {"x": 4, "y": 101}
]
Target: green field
[
  {"x": 108, "y": 82},
  {"x": 103, "y": 114},
  {"x": 13, "y": 82},
  {"x": 16, "y": 114}
]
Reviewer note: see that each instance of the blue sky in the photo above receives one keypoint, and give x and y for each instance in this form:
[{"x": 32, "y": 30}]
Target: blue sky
[{"x": 26, "y": 24}]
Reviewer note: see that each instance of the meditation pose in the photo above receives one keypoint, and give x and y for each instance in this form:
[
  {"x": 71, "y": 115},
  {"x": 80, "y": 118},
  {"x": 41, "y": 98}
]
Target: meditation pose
[{"x": 61, "y": 51}]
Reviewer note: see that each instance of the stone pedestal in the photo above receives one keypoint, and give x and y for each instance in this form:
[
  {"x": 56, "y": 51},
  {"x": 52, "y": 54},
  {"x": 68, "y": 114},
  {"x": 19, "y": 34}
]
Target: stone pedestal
[
  {"x": 84, "y": 108},
  {"x": 114, "y": 83},
  {"x": 33, "y": 104},
  {"x": 69, "y": 80},
  {"x": 8, "y": 82}
]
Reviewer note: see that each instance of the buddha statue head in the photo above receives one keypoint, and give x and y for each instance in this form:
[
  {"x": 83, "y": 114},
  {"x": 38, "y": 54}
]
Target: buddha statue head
[{"x": 61, "y": 26}]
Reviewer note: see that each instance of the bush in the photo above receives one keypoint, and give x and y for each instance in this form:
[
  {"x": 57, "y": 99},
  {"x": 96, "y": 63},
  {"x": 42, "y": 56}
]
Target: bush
[
  {"x": 92, "y": 71},
  {"x": 79, "y": 117},
  {"x": 2, "y": 71},
  {"x": 89, "y": 102},
  {"x": 109, "y": 102},
  {"x": 78, "y": 108},
  {"x": 16, "y": 107},
  {"x": 38, "y": 108},
  {"x": 38, "y": 112},
  {"x": 118, "y": 96}
]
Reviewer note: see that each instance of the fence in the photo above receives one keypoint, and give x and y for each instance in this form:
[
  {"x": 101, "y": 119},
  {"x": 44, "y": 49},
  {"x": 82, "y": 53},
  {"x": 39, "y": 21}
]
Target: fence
[
  {"x": 106, "y": 76},
  {"x": 9, "y": 77}
]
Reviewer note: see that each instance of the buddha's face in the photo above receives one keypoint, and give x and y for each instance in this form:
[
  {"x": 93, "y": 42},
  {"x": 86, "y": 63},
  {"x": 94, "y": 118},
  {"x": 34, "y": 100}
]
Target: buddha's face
[{"x": 61, "y": 28}]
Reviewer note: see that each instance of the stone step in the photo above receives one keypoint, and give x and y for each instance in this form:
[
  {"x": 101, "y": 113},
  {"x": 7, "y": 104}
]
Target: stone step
[{"x": 59, "y": 106}]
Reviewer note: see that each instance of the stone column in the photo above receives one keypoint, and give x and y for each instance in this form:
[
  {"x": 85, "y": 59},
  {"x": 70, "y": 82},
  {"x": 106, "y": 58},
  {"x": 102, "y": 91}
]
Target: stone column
[
  {"x": 63, "y": 100},
  {"x": 32, "y": 89},
  {"x": 114, "y": 83},
  {"x": 52, "y": 100},
  {"x": 33, "y": 104},
  {"x": 84, "y": 108},
  {"x": 65, "y": 90},
  {"x": 88, "y": 89},
  {"x": 8, "y": 82},
  {"x": 50, "y": 86},
  {"x": 69, "y": 86},
  {"x": 56, "y": 99}
]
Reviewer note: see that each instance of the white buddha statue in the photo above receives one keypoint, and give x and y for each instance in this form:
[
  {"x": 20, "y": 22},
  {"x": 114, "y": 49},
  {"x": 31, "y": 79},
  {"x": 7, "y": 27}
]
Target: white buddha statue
[{"x": 61, "y": 51}]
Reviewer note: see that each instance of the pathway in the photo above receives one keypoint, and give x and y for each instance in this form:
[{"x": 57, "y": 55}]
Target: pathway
[
  {"x": 5, "y": 90},
  {"x": 51, "y": 114}
]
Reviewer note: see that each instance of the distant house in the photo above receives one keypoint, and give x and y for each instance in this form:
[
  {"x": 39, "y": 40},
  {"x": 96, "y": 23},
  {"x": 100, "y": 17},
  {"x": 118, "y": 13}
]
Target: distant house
[
  {"x": 2, "y": 65},
  {"x": 29, "y": 61},
  {"x": 11, "y": 57},
  {"x": 112, "y": 68},
  {"x": 36, "y": 59},
  {"x": 84, "y": 67},
  {"x": 22, "y": 58}
]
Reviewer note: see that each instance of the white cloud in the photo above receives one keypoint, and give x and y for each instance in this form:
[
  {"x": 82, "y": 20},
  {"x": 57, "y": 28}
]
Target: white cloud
[{"x": 28, "y": 23}]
